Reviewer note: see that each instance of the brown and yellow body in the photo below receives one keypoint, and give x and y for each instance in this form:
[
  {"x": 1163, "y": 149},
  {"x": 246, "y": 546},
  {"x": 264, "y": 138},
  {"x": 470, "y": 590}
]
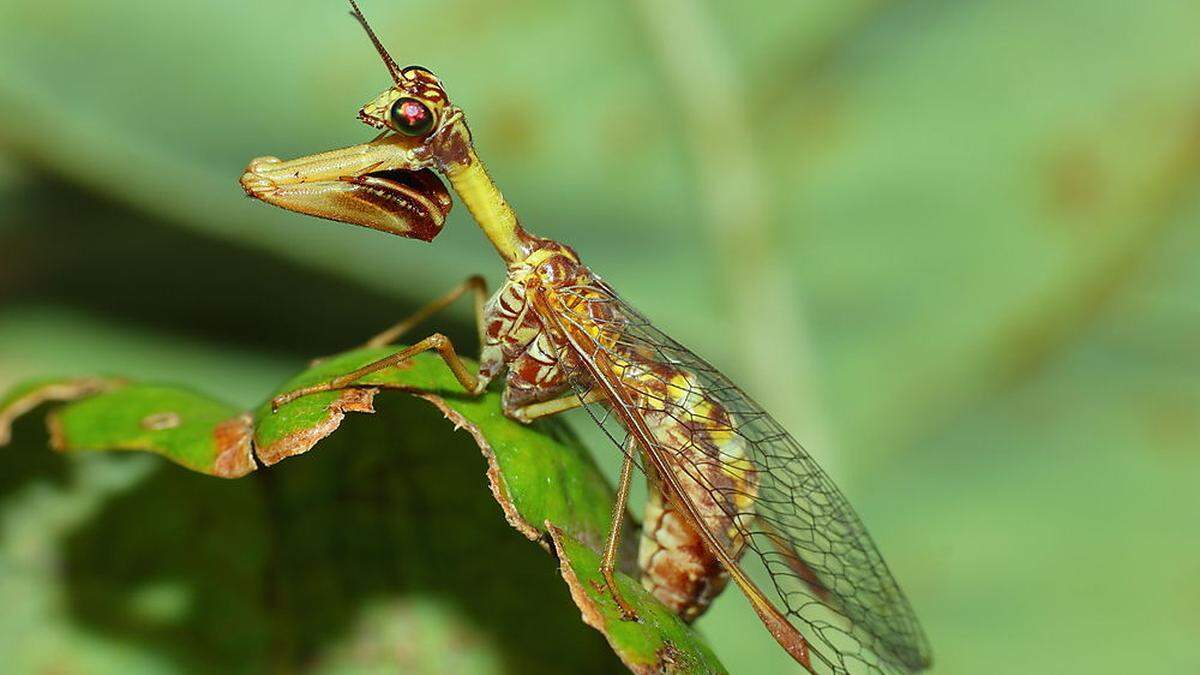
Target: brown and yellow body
[
  {"x": 725, "y": 479},
  {"x": 676, "y": 566}
]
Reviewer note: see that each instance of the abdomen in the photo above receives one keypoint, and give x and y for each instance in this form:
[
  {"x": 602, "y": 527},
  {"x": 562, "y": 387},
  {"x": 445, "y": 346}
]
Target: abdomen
[{"x": 696, "y": 437}]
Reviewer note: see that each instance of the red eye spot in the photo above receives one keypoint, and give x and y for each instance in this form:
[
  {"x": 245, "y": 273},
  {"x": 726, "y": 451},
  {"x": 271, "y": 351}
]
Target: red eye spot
[{"x": 411, "y": 117}]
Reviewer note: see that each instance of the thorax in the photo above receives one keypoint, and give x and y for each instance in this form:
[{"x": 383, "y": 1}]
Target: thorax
[{"x": 516, "y": 335}]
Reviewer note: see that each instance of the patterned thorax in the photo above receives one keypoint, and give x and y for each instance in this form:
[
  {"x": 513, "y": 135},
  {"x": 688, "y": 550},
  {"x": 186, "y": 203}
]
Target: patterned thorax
[{"x": 514, "y": 337}]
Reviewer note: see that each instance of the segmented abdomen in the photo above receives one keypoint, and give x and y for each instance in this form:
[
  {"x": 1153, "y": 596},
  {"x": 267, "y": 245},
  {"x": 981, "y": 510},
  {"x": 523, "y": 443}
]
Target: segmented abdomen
[{"x": 696, "y": 435}]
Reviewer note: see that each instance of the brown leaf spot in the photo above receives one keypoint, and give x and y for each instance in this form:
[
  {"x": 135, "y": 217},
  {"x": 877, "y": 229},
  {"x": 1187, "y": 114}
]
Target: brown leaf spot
[
  {"x": 58, "y": 391},
  {"x": 301, "y": 441},
  {"x": 668, "y": 658},
  {"x": 235, "y": 449},
  {"x": 161, "y": 421}
]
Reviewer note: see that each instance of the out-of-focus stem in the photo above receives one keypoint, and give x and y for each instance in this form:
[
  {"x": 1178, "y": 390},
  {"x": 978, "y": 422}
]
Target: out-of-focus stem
[{"x": 760, "y": 295}]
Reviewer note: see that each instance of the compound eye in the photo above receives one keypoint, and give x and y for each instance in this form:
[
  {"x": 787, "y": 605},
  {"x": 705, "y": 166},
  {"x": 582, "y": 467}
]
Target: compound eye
[
  {"x": 412, "y": 117},
  {"x": 410, "y": 71}
]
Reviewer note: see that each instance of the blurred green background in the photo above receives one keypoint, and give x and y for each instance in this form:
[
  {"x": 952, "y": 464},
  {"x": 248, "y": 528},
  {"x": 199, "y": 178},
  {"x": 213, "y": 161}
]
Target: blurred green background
[{"x": 952, "y": 244}]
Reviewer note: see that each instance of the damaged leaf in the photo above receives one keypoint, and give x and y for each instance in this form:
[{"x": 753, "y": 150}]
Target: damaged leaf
[
  {"x": 546, "y": 483},
  {"x": 658, "y": 642},
  {"x": 187, "y": 428},
  {"x": 537, "y": 473},
  {"x": 29, "y": 395}
]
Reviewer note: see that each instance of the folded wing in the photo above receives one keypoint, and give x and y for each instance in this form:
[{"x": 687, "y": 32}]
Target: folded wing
[{"x": 788, "y": 536}]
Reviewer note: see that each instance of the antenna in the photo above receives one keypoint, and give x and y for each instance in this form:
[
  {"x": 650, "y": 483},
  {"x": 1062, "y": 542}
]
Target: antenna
[{"x": 383, "y": 53}]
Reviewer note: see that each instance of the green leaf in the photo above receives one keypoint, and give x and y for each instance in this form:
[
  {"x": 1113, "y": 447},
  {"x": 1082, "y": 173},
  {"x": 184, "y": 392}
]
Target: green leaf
[
  {"x": 540, "y": 473},
  {"x": 657, "y": 642},
  {"x": 188, "y": 428},
  {"x": 26, "y": 396},
  {"x": 545, "y": 482},
  {"x": 986, "y": 209}
]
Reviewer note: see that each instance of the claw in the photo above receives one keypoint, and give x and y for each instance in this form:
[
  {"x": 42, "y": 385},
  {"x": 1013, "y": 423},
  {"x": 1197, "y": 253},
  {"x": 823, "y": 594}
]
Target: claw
[
  {"x": 628, "y": 613},
  {"x": 284, "y": 399}
]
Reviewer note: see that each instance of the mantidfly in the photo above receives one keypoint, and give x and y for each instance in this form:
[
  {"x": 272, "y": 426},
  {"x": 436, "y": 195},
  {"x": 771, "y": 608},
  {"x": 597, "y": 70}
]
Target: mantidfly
[{"x": 730, "y": 490}]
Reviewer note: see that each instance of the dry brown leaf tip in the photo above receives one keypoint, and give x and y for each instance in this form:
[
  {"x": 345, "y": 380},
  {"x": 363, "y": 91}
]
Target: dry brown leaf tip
[
  {"x": 235, "y": 447},
  {"x": 299, "y": 442},
  {"x": 57, "y": 391}
]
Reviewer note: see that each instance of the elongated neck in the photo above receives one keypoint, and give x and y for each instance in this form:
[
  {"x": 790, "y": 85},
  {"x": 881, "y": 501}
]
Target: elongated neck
[{"x": 487, "y": 205}]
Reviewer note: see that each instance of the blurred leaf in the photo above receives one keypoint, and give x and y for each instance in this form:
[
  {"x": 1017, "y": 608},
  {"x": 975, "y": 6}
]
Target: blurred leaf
[{"x": 26, "y": 396}]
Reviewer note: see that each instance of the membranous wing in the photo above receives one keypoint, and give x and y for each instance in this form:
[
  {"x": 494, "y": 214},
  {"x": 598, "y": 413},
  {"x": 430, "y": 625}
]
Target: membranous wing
[{"x": 757, "y": 492}]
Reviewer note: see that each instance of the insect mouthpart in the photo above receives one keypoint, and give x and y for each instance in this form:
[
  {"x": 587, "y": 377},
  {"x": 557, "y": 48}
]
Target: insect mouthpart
[
  {"x": 410, "y": 202},
  {"x": 418, "y": 197}
]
